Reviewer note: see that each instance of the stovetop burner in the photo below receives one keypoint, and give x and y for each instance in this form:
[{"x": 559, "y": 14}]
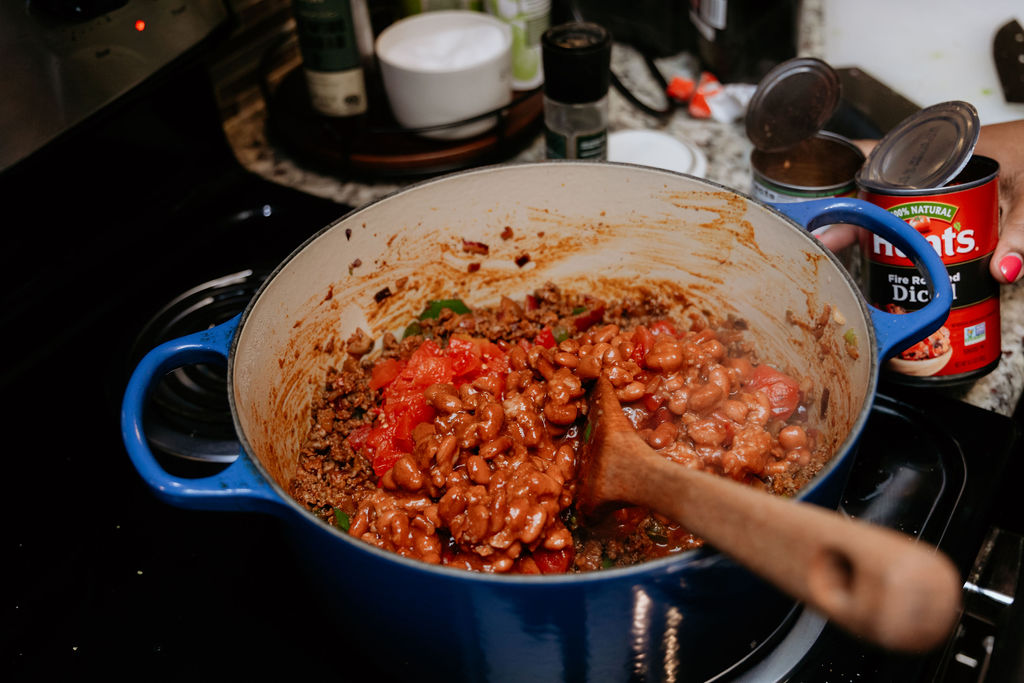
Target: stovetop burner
[{"x": 187, "y": 415}]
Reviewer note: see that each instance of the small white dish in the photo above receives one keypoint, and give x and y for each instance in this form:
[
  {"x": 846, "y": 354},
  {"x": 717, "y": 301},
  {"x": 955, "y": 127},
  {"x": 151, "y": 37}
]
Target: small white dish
[
  {"x": 656, "y": 149},
  {"x": 445, "y": 66}
]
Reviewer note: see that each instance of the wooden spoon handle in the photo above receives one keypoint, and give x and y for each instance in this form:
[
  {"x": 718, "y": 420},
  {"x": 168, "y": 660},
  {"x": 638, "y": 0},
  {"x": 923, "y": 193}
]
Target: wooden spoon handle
[{"x": 874, "y": 582}]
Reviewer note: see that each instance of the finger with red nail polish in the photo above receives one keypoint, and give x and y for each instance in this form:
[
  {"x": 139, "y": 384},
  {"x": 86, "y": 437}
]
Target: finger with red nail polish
[{"x": 1010, "y": 266}]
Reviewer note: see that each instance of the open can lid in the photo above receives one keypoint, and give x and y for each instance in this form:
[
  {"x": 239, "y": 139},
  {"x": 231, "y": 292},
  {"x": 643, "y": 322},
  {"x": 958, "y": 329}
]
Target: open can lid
[
  {"x": 925, "y": 150},
  {"x": 792, "y": 103}
]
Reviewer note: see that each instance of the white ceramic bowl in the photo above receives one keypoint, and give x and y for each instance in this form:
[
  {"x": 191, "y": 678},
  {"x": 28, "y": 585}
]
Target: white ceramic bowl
[{"x": 446, "y": 66}]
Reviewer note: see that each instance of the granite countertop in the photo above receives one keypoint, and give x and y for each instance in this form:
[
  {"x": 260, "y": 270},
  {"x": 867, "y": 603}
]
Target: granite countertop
[{"x": 723, "y": 143}]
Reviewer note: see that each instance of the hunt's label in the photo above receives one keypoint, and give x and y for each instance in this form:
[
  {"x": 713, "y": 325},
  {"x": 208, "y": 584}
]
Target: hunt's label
[{"x": 961, "y": 223}]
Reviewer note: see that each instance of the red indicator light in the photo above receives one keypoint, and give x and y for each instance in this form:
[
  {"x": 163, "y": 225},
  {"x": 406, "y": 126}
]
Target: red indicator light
[{"x": 140, "y": 25}]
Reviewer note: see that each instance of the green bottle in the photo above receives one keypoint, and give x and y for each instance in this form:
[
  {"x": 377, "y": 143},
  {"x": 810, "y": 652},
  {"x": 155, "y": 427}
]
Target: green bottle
[{"x": 330, "y": 56}]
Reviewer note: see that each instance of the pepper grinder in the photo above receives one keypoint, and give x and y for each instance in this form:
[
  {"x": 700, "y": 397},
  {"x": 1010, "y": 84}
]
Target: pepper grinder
[{"x": 577, "y": 71}]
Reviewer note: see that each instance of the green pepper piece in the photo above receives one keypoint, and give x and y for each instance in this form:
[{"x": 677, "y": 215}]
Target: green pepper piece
[
  {"x": 413, "y": 329},
  {"x": 578, "y": 310},
  {"x": 560, "y": 333},
  {"x": 435, "y": 306},
  {"x": 341, "y": 519}
]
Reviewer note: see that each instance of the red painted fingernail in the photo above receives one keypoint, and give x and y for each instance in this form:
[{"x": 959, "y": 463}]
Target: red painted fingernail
[{"x": 1010, "y": 267}]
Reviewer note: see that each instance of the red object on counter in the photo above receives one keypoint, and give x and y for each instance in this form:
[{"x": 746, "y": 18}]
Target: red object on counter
[
  {"x": 708, "y": 87},
  {"x": 681, "y": 88}
]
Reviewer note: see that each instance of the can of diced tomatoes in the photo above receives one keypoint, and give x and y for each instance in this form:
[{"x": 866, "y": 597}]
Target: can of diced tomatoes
[{"x": 924, "y": 171}]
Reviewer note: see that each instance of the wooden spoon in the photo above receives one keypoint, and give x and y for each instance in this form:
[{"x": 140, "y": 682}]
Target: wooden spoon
[{"x": 874, "y": 582}]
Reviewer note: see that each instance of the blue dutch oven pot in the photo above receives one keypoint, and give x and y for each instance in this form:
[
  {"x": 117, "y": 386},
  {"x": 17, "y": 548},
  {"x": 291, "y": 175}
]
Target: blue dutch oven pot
[{"x": 608, "y": 228}]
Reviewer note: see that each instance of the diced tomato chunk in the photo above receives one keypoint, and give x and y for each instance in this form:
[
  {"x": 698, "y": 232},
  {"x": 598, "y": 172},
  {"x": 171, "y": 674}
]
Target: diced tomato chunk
[
  {"x": 384, "y": 372},
  {"x": 545, "y": 338},
  {"x": 588, "y": 318},
  {"x": 783, "y": 391},
  {"x": 553, "y": 561},
  {"x": 464, "y": 355},
  {"x": 643, "y": 342},
  {"x": 628, "y": 518},
  {"x": 404, "y": 405},
  {"x": 663, "y": 327},
  {"x": 653, "y": 402}
]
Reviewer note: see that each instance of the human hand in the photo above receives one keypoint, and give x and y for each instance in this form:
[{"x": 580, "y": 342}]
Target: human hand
[{"x": 1003, "y": 142}]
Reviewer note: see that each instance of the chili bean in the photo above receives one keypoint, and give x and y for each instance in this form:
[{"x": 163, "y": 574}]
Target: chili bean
[
  {"x": 741, "y": 366},
  {"x": 477, "y": 518},
  {"x": 561, "y": 413},
  {"x": 406, "y": 474},
  {"x": 618, "y": 376},
  {"x": 517, "y": 358},
  {"x": 666, "y": 356},
  {"x": 558, "y": 391},
  {"x": 714, "y": 349},
  {"x": 721, "y": 378},
  {"x": 558, "y": 539},
  {"x": 569, "y": 345},
  {"x": 443, "y": 397},
  {"x": 544, "y": 367},
  {"x": 677, "y": 401},
  {"x": 760, "y": 409},
  {"x": 492, "y": 384},
  {"x": 735, "y": 410},
  {"x": 633, "y": 391},
  {"x": 605, "y": 333},
  {"x": 478, "y": 469},
  {"x": 399, "y": 525},
  {"x": 589, "y": 367},
  {"x": 540, "y": 484},
  {"x": 465, "y": 429},
  {"x": 431, "y": 514},
  {"x": 495, "y": 447},
  {"x": 566, "y": 359},
  {"x": 792, "y": 436},
  {"x": 492, "y": 416},
  {"x": 428, "y": 547},
  {"x": 673, "y": 383},
  {"x": 423, "y": 525},
  {"x": 799, "y": 455},
  {"x": 388, "y": 480},
  {"x": 601, "y": 350},
  {"x": 707, "y": 432},
  {"x": 705, "y": 398},
  {"x": 360, "y": 524},
  {"x": 534, "y": 394},
  {"x": 533, "y": 524},
  {"x": 662, "y": 435},
  {"x": 748, "y": 454},
  {"x": 452, "y": 503}
]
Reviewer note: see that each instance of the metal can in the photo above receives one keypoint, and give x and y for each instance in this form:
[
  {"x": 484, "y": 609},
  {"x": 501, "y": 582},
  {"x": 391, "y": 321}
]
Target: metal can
[
  {"x": 824, "y": 165},
  {"x": 793, "y": 159},
  {"x": 926, "y": 174}
]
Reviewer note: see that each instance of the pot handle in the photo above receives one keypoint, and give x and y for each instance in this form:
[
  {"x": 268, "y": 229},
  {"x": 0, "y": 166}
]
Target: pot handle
[
  {"x": 895, "y": 332},
  {"x": 239, "y": 486}
]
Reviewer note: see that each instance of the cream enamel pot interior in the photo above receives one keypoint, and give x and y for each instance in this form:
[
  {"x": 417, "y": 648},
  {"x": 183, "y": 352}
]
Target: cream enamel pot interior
[{"x": 598, "y": 227}]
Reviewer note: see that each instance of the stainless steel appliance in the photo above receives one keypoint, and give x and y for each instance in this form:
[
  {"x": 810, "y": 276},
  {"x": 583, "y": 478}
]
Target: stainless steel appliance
[{"x": 128, "y": 220}]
